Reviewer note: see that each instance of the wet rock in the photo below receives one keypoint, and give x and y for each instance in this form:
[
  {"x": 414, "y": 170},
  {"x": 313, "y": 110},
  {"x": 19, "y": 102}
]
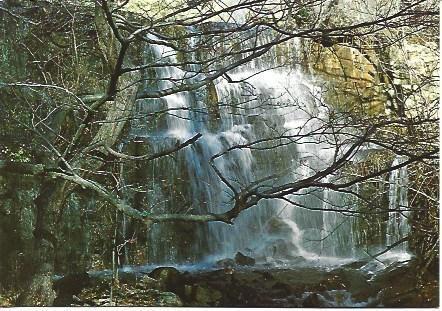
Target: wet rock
[
  {"x": 355, "y": 264},
  {"x": 355, "y": 282},
  {"x": 297, "y": 260},
  {"x": 244, "y": 287},
  {"x": 392, "y": 273},
  {"x": 294, "y": 302},
  {"x": 312, "y": 301},
  {"x": 170, "y": 279},
  {"x": 243, "y": 260},
  {"x": 315, "y": 300},
  {"x": 279, "y": 249},
  {"x": 277, "y": 226},
  {"x": 163, "y": 273},
  {"x": 225, "y": 263},
  {"x": 399, "y": 287}
]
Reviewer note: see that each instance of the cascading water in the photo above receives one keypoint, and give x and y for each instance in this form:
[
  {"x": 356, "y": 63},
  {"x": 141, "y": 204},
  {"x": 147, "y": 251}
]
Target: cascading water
[
  {"x": 271, "y": 87},
  {"x": 267, "y": 102},
  {"x": 398, "y": 226}
]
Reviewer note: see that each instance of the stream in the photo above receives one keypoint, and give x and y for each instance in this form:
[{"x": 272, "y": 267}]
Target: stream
[{"x": 389, "y": 281}]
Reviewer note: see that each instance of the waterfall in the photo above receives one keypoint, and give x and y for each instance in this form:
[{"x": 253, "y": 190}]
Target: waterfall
[
  {"x": 168, "y": 77},
  {"x": 398, "y": 226},
  {"x": 264, "y": 101}
]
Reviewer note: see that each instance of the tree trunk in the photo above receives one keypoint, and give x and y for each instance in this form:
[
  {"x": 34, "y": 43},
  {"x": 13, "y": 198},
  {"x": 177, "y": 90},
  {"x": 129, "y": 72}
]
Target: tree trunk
[{"x": 38, "y": 290}]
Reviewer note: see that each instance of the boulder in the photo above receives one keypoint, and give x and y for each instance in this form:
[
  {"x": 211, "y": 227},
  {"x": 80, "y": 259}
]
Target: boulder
[
  {"x": 355, "y": 264},
  {"x": 355, "y": 282},
  {"x": 225, "y": 263},
  {"x": 243, "y": 260},
  {"x": 169, "y": 279},
  {"x": 398, "y": 287},
  {"x": 312, "y": 301},
  {"x": 161, "y": 273}
]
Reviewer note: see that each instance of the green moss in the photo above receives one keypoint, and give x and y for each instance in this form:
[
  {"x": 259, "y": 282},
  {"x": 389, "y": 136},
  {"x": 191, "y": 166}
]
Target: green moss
[{"x": 181, "y": 57}]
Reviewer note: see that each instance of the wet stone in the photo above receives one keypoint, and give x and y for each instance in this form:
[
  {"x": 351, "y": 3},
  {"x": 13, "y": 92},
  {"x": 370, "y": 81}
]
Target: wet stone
[
  {"x": 243, "y": 260},
  {"x": 226, "y": 262}
]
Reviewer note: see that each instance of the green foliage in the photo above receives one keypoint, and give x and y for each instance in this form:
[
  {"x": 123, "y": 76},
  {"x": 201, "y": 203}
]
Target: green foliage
[
  {"x": 303, "y": 16},
  {"x": 18, "y": 155}
]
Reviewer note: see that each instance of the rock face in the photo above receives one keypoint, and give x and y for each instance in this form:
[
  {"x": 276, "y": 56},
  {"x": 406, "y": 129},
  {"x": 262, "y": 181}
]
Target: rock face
[
  {"x": 379, "y": 73},
  {"x": 352, "y": 77},
  {"x": 17, "y": 219},
  {"x": 372, "y": 77},
  {"x": 78, "y": 241},
  {"x": 414, "y": 61}
]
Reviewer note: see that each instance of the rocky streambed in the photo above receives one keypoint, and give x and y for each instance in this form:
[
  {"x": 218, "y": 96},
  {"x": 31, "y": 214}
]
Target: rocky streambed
[{"x": 229, "y": 284}]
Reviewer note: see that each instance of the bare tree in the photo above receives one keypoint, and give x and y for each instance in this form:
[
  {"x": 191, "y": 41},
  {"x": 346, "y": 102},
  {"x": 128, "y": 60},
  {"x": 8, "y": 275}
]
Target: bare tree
[{"x": 75, "y": 119}]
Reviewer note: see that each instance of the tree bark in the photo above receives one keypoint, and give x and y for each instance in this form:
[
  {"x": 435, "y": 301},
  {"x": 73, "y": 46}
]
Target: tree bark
[
  {"x": 51, "y": 198},
  {"x": 54, "y": 192}
]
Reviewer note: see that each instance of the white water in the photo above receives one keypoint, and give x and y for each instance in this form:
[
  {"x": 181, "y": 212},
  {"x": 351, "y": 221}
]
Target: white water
[
  {"x": 269, "y": 102},
  {"x": 398, "y": 226}
]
